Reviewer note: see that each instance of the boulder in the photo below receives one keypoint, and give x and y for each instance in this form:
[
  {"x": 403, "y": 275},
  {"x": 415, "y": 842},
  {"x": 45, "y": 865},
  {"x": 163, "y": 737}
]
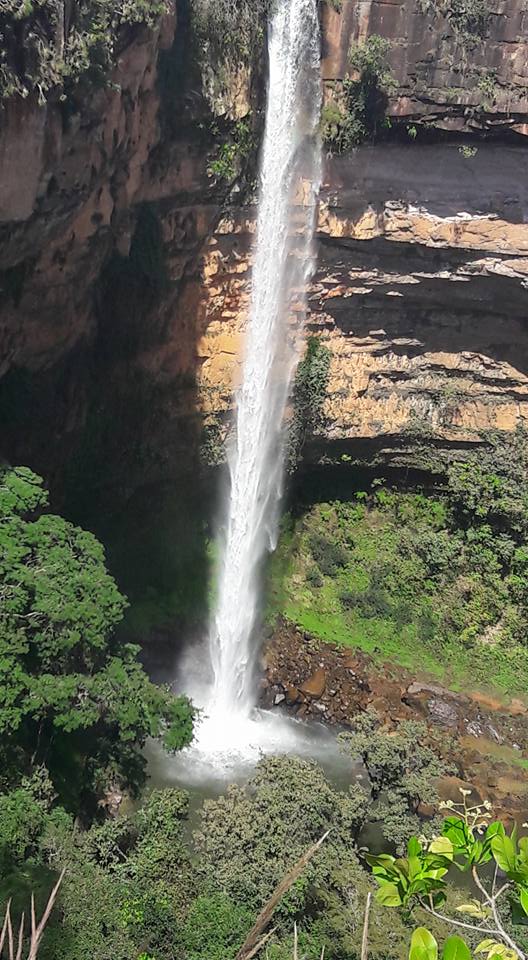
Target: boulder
[
  {"x": 292, "y": 695},
  {"x": 443, "y": 712},
  {"x": 315, "y": 686}
]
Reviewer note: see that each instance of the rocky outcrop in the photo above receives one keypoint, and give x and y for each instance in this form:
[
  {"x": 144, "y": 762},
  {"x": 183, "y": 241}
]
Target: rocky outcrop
[
  {"x": 486, "y": 739},
  {"x": 422, "y": 270},
  {"x": 105, "y": 203}
]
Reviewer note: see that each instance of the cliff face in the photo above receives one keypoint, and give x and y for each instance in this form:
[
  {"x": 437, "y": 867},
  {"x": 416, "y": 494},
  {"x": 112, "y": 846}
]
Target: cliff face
[
  {"x": 104, "y": 205},
  {"x": 125, "y": 267},
  {"x": 421, "y": 284}
]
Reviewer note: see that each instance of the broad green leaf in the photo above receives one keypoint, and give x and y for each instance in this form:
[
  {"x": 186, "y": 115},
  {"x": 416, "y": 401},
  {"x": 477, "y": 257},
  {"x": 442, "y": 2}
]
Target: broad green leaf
[
  {"x": 414, "y": 847},
  {"x": 504, "y": 852},
  {"x": 495, "y": 829},
  {"x": 458, "y": 833},
  {"x": 423, "y": 945},
  {"x": 485, "y": 945},
  {"x": 523, "y": 896},
  {"x": 456, "y": 949},
  {"x": 383, "y": 859},
  {"x": 442, "y": 846},
  {"x": 389, "y": 895}
]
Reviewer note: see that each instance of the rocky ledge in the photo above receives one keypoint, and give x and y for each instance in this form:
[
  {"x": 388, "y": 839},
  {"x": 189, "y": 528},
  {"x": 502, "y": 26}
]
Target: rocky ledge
[{"x": 485, "y": 739}]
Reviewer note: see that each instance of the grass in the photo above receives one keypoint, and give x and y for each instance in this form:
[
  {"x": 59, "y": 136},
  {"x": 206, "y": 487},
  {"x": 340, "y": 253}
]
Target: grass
[{"x": 394, "y": 576}]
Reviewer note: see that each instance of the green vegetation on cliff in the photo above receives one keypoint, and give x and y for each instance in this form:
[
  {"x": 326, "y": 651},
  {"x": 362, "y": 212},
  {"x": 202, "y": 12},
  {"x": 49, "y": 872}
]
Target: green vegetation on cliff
[
  {"x": 48, "y": 45},
  {"x": 357, "y": 108},
  {"x": 439, "y": 581}
]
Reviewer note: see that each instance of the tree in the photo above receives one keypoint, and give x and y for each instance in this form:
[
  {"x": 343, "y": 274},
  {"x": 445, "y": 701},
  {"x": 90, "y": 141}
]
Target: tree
[
  {"x": 402, "y": 771},
  {"x": 73, "y": 696},
  {"x": 250, "y": 838},
  {"x": 49, "y": 45}
]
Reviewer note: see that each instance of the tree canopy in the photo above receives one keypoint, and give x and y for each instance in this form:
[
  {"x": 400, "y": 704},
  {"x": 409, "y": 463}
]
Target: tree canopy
[{"x": 73, "y": 696}]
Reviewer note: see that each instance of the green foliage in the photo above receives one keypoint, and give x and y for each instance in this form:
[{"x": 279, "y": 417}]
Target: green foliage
[
  {"x": 309, "y": 394},
  {"x": 215, "y": 927},
  {"x": 402, "y": 771},
  {"x": 49, "y": 45},
  {"x": 441, "y": 580},
  {"x": 127, "y": 886},
  {"x": 470, "y": 19},
  {"x": 72, "y": 695},
  {"x": 252, "y": 836},
  {"x": 228, "y": 31},
  {"x": 468, "y": 841},
  {"x": 231, "y": 155},
  {"x": 358, "y": 108},
  {"x": 492, "y": 484}
]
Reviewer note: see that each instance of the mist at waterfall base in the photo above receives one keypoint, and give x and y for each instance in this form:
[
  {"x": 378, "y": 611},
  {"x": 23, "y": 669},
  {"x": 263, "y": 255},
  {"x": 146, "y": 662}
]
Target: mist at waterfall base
[{"x": 231, "y": 733}]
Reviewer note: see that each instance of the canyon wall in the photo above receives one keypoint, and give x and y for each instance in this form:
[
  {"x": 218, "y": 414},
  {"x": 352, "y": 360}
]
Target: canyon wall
[{"x": 124, "y": 264}]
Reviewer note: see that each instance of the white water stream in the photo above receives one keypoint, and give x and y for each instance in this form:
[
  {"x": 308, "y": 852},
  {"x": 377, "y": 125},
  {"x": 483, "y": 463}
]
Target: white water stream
[{"x": 283, "y": 262}]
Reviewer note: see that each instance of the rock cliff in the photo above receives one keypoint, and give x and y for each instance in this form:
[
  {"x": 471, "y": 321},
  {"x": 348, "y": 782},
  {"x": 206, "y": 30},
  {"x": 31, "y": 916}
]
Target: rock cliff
[{"x": 124, "y": 266}]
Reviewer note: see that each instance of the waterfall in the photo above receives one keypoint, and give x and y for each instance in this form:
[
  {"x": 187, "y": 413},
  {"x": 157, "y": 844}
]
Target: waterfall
[{"x": 283, "y": 263}]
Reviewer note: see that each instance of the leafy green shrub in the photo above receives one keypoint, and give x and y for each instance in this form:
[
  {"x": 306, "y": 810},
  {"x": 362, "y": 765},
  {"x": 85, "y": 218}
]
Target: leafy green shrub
[
  {"x": 470, "y": 19},
  {"x": 357, "y": 111},
  {"x": 49, "y": 45},
  {"x": 402, "y": 770},
  {"x": 231, "y": 156},
  {"x": 328, "y": 555},
  {"x": 468, "y": 841},
  {"x": 229, "y": 31},
  {"x": 249, "y": 838},
  {"x": 427, "y": 578}
]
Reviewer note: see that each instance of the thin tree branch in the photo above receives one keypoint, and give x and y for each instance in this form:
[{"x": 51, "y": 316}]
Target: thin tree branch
[
  {"x": 457, "y": 923},
  {"x": 258, "y": 947}
]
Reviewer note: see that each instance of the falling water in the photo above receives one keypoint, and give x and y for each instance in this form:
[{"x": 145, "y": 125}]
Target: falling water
[{"x": 290, "y": 178}]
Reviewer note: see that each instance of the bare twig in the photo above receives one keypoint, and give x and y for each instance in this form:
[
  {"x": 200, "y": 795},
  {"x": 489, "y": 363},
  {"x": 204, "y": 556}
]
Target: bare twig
[
  {"x": 492, "y": 901},
  {"x": 265, "y": 915},
  {"x": 456, "y": 923},
  {"x": 20, "y": 938},
  {"x": 364, "y": 939}
]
